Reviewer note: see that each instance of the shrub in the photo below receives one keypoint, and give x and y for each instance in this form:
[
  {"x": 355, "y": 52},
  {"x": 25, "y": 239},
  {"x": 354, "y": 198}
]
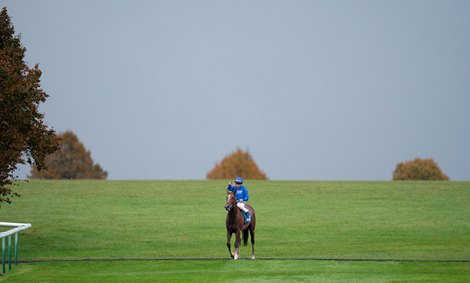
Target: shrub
[
  {"x": 239, "y": 163},
  {"x": 419, "y": 169},
  {"x": 71, "y": 161}
]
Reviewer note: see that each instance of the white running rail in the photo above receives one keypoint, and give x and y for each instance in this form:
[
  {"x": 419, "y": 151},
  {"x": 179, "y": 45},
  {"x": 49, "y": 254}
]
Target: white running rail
[{"x": 16, "y": 227}]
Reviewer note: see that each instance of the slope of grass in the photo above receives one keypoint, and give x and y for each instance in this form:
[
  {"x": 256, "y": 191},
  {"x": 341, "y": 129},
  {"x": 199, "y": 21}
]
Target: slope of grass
[{"x": 295, "y": 219}]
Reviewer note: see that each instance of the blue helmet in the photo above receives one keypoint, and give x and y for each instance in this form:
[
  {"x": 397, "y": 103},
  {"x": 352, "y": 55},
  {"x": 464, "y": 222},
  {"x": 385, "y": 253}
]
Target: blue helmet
[{"x": 239, "y": 180}]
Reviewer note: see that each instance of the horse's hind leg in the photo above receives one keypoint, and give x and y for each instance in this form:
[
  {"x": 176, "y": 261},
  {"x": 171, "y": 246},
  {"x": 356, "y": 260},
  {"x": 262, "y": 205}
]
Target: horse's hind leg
[
  {"x": 252, "y": 234},
  {"x": 229, "y": 239}
]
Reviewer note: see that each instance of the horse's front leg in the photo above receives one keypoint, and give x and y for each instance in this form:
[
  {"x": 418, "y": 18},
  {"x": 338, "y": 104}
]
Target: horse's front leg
[
  {"x": 238, "y": 241},
  {"x": 229, "y": 239}
]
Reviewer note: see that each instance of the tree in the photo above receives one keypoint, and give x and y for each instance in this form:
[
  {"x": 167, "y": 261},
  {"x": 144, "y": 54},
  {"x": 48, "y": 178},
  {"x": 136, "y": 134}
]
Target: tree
[
  {"x": 24, "y": 138},
  {"x": 419, "y": 169},
  {"x": 239, "y": 163},
  {"x": 71, "y": 161}
]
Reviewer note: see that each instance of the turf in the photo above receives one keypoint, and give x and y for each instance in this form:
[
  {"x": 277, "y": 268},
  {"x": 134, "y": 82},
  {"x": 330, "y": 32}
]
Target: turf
[{"x": 428, "y": 221}]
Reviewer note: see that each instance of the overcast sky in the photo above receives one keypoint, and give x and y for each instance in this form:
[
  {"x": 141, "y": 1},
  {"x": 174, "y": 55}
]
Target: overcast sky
[{"x": 315, "y": 90}]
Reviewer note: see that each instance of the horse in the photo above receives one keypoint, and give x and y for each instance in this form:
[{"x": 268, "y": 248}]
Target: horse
[{"x": 235, "y": 224}]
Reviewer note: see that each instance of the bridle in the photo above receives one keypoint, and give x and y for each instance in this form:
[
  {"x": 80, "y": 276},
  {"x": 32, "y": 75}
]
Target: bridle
[{"x": 230, "y": 203}]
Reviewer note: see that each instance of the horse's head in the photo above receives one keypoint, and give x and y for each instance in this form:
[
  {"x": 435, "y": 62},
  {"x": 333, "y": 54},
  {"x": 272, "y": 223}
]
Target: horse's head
[{"x": 231, "y": 202}]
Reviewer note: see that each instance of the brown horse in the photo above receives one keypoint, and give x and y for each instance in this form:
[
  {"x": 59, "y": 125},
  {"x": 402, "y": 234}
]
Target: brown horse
[{"x": 235, "y": 224}]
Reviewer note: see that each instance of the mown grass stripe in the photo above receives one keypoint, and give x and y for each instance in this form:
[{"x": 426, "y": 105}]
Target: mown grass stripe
[{"x": 214, "y": 258}]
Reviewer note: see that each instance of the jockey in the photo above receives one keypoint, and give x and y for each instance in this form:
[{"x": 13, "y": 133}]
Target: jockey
[{"x": 241, "y": 195}]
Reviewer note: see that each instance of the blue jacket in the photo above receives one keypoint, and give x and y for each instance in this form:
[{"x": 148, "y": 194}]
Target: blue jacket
[{"x": 240, "y": 193}]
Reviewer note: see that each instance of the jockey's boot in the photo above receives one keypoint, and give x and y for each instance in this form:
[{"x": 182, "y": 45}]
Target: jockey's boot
[{"x": 248, "y": 217}]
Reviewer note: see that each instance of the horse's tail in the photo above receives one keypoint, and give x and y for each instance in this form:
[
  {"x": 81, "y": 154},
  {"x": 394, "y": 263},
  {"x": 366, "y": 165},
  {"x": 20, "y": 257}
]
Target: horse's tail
[{"x": 245, "y": 237}]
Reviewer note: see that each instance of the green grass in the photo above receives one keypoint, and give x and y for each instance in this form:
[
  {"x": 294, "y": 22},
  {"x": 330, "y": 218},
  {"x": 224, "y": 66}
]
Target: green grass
[{"x": 295, "y": 219}]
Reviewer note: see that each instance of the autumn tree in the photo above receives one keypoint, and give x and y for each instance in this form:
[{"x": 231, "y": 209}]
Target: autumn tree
[
  {"x": 419, "y": 169},
  {"x": 239, "y": 163},
  {"x": 24, "y": 138},
  {"x": 71, "y": 161}
]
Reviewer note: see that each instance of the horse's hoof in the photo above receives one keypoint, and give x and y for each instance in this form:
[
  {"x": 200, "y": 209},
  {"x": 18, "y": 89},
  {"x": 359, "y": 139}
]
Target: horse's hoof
[
  {"x": 253, "y": 257},
  {"x": 232, "y": 255}
]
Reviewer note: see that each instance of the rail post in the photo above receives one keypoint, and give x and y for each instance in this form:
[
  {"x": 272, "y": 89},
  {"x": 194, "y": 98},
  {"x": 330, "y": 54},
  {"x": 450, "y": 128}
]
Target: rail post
[
  {"x": 3, "y": 254},
  {"x": 16, "y": 248}
]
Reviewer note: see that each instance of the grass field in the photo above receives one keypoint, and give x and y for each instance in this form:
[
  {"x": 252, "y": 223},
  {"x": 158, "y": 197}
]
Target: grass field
[{"x": 75, "y": 220}]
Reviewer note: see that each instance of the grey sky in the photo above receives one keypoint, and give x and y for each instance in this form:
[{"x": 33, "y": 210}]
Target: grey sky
[{"x": 317, "y": 90}]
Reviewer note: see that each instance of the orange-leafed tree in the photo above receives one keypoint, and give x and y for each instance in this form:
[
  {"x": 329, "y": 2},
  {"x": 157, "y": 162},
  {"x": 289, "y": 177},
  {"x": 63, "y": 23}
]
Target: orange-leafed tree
[
  {"x": 71, "y": 161},
  {"x": 24, "y": 137},
  {"x": 419, "y": 169},
  {"x": 238, "y": 163}
]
